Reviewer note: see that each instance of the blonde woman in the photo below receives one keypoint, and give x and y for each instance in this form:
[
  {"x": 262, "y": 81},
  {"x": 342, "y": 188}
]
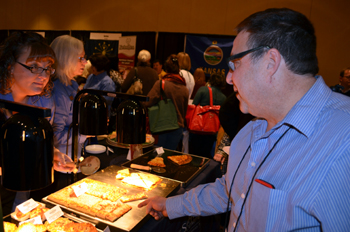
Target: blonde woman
[
  {"x": 71, "y": 61},
  {"x": 185, "y": 66}
]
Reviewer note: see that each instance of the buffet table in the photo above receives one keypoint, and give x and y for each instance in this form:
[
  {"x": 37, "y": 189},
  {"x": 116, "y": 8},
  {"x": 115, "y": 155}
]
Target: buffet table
[{"x": 114, "y": 159}]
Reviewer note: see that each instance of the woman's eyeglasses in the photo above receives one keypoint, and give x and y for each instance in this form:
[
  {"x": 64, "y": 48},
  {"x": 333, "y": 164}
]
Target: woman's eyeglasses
[
  {"x": 82, "y": 58},
  {"x": 38, "y": 70}
]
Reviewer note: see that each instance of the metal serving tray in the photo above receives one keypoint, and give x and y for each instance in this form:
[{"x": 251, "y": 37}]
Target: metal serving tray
[
  {"x": 132, "y": 220},
  {"x": 183, "y": 174}
]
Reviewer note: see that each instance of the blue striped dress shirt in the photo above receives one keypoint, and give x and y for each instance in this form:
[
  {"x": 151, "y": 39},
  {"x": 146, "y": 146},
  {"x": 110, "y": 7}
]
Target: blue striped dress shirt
[{"x": 309, "y": 168}]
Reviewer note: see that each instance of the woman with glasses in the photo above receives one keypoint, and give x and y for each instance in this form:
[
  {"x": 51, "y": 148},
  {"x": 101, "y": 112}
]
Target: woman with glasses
[
  {"x": 26, "y": 66},
  {"x": 71, "y": 61}
]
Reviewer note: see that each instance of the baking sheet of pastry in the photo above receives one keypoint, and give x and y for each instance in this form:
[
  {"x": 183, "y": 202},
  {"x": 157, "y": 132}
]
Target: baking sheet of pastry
[{"x": 132, "y": 220}]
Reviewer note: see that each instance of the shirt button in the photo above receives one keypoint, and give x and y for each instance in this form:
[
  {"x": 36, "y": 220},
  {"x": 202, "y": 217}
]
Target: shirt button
[
  {"x": 253, "y": 164},
  {"x": 242, "y": 195}
]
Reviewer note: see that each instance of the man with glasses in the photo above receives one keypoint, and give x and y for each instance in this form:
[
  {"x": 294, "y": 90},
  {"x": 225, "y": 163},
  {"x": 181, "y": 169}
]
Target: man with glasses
[
  {"x": 289, "y": 168},
  {"x": 344, "y": 83}
]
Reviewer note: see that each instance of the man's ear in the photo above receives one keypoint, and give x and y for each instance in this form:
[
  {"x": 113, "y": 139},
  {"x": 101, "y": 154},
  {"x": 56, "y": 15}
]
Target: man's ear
[{"x": 274, "y": 60}]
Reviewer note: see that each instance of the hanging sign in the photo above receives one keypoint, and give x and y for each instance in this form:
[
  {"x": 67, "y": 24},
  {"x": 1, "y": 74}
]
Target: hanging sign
[{"x": 126, "y": 53}]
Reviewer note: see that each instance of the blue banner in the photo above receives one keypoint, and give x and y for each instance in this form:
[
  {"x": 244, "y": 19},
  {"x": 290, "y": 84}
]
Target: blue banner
[{"x": 209, "y": 53}]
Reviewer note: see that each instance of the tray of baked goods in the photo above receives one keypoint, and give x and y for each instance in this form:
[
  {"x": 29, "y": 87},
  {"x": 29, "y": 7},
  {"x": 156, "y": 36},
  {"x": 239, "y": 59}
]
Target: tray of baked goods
[
  {"x": 36, "y": 216},
  {"x": 173, "y": 165},
  {"x": 110, "y": 197}
]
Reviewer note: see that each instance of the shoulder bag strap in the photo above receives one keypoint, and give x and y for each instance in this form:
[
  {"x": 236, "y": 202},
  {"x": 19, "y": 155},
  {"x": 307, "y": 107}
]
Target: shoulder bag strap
[
  {"x": 162, "y": 94},
  {"x": 211, "y": 96},
  {"x": 135, "y": 76}
]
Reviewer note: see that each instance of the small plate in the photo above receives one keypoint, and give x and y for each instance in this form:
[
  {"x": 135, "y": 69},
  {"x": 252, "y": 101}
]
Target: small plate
[{"x": 95, "y": 149}]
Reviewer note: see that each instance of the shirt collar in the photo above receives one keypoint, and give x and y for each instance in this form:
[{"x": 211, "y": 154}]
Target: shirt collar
[
  {"x": 305, "y": 112},
  {"x": 101, "y": 75}
]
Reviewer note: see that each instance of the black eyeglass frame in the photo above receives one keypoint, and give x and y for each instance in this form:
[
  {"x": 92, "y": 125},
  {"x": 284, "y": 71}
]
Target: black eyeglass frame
[
  {"x": 230, "y": 60},
  {"x": 38, "y": 68}
]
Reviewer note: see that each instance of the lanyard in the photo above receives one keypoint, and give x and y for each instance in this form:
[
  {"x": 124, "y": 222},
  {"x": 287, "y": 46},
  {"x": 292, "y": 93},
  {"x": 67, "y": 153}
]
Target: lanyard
[{"x": 251, "y": 182}]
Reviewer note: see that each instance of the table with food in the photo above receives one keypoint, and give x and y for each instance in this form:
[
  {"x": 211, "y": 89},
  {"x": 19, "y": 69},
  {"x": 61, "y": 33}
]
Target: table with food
[{"x": 108, "y": 199}]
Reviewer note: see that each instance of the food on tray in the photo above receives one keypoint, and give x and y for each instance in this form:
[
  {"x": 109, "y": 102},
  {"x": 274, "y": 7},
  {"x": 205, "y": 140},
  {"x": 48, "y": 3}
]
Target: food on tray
[
  {"x": 40, "y": 228},
  {"x": 142, "y": 180},
  {"x": 122, "y": 173},
  {"x": 57, "y": 225},
  {"x": 133, "y": 197},
  {"x": 60, "y": 197},
  {"x": 104, "y": 190},
  {"x": 158, "y": 162},
  {"x": 9, "y": 227},
  {"x": 181, "y": 159},
  {"x": 26, "y": 227},
  {"x": 19, "y": 216},
  {"x": 110, "y": 210},
  {"x": 83, "y": 203},
  {"x": 81, "y": 227},
  {"x": 38, "y": 212},
  {"x": 98, "y": 201},
  {"x": 30, "y": 227}
]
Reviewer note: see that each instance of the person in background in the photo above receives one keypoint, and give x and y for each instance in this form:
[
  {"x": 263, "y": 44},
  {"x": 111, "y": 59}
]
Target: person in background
[
  {"x": 26, "y": 65},
  {"x": 99, "y": 78},
  {"x": 202, "y": 145},
  {"x": 174, "y": 89},
  {"x": 232, "y": 120},
  {"x": 145, "y": 73},
  {"x": 185, "y": 66},
  {"x": 344, "y": 83},
  {"x": 81, "y": 79},
  {"x": 199, "y": 79},
  {"x": 158, "y": 66},
  {"x": 289, "y": 168},
  {"x": 71, "y": 61},
  {"x": 87, "y": 69},
  {"x": 115, "y": 73}
]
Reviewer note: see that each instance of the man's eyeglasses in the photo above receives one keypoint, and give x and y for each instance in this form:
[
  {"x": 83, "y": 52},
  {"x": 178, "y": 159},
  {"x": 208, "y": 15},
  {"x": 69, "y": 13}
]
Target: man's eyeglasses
[
  {"x": 38, "y": 70},
  {"x": 231, "y": 59},
  {"x": 82, "y": 58}
]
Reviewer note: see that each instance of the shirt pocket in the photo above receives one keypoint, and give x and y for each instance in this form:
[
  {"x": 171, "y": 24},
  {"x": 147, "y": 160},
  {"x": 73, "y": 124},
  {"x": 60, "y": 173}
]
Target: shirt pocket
[{"x": 265, "y": 206}]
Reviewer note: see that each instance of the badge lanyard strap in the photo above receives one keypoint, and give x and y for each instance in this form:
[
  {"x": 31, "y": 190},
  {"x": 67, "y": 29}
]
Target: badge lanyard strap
[{"x": 251, "y": 182}]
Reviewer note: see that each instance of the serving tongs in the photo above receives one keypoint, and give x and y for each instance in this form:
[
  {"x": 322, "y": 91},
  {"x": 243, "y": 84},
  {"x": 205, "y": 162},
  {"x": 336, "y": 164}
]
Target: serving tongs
[{"x": 148, "y": 168}]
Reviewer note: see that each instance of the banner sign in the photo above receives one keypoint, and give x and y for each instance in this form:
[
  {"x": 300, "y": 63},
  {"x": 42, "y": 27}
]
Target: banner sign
[
  {"x": 209, "y": 53},
  {"x": 102, "y": 43},
  {"x": 126, "y": 53},
  {"x": 105, "y": 36},
  {"x": 107, "y": 48}
]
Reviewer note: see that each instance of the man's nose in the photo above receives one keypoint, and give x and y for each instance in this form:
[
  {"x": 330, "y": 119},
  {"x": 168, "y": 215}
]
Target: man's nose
[{"x": 229, "y": 77}]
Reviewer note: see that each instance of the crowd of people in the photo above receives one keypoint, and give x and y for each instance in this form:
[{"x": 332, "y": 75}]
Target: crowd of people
[{"x": 289, "y": 163}]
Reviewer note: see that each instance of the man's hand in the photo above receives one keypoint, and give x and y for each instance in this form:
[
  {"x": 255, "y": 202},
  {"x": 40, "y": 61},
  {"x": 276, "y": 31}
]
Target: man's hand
[
  {"x": 155, "y": 206},
  {"x": 62, "y": 162}
]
